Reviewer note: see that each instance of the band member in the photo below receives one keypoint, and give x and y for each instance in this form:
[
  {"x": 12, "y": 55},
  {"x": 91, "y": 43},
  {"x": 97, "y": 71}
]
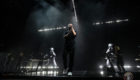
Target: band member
[
  {"x": 9, "y": 57},
  {"x": 40, "y": 63},
  {"x": 51, "y": 57},
  {"x": 19, "y": 61},
  {"x": 110, "y": 52},
  {"x": 69, "y": 48},
  {"x": 120, "y": 63}
]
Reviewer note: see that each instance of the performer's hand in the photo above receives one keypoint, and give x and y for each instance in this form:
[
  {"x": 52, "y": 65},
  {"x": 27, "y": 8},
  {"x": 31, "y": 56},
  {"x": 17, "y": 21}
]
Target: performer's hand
[{"x": 72, "y": 28}]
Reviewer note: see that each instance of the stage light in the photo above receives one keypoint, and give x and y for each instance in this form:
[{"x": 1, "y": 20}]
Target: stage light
[
  {"x": 102, "y": 72},
  {"x": 97, "y": 23},
  {"x": 64, "y": 27},
  {"x": 127, "y": 66},
  {"x": 115, "y": 66},
  {"x": 40, "y": 30},
  {"x": 45, "y": 29},
  {"x": 51, "y": 67},
  {"x": 138, "y": 66},
  {"x": 74, "y": 10},
  {"x": 118, "y": 21},
  {"x": 109, "y": 66},
  {"x": 101, "y": 66}
]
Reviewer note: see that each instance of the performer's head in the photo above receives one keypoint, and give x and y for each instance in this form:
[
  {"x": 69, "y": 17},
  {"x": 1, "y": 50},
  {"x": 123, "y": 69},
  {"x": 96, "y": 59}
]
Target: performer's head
[
  {"x": 110, "y": 45},
  {"x": 69, "y": 26},
  {"x": 51, "y": 49}
]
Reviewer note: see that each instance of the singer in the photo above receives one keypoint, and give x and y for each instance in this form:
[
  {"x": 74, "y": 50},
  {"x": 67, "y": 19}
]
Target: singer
[{"x": 69, "y": 48}]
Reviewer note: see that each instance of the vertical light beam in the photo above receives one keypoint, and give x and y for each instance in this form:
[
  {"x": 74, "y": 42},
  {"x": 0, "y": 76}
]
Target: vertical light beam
[{"x": 74, "y": 10}]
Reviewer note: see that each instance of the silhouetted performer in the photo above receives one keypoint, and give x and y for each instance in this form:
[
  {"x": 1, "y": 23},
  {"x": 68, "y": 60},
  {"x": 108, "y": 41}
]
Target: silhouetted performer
[
  {"x": 51, "y": 57},
  {"x": 110, "y": 52},
  {"x": 9, "y": 57},
  {"x": 120, "y": 62},
  {"x": 69, "y": 48},
  {"x": 40, "y": 63},
  {"x": 19, "y": 61}
]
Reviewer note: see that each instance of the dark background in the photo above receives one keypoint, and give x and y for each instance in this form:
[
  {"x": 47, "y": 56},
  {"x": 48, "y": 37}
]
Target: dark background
[{"x": 20, "y": 34}]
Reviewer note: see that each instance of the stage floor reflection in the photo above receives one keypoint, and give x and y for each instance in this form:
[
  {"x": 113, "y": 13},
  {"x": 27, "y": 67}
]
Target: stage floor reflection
[{"x": 59, "y": 74}]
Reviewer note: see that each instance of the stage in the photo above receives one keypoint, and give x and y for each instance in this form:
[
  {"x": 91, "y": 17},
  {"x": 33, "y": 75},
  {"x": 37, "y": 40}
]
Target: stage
[{"x": 82, "y": 75}]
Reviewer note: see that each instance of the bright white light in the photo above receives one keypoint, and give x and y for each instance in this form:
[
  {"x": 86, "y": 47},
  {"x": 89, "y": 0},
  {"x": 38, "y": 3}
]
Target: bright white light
[
  {"x": 101, "y": 66},
  {"x": 51, "y": 72},
  {"x": 101, "y": 72},
  {"x": 118, "y": 21},
  {"x": 45, "y": 29},
  {"x": 74, "y": 10},
  {"x": 109, "y": 66},
  {"x": 127, "y": 66},
  {"x": 97, "y": 23},
  {"x": 115, "y": 66},
  {"x": 64, "y": 27},
  {"x": 138, "y": 66},
  {"x": 40, "y": 30}
]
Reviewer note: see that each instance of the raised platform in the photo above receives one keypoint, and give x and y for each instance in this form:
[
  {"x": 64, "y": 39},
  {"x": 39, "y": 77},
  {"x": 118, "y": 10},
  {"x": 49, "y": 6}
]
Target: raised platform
[{"x": 77, "y": 75}]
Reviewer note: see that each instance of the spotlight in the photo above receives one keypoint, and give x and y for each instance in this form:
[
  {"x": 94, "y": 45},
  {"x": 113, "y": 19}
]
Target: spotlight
[
  {"x": 97, "y": 23},
  {"x": 127, "y": 66},
  {"x": 101, "y": 66},
  {"x": 51, "y": 67},
  {"x": 138, "y": 66},
  {"x": 115, "y": 66},
  {"x": 40, "y": 30},
  {"x": 74, "y": 10},
  {"x": 64, "y": 27},
  {"x": 118, "y": 21},
  {"x": 102, "y": 72},
  {"x": 109, "y": 66}
]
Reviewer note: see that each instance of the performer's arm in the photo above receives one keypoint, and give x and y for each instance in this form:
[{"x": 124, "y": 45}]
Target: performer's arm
[
  {"x": 66, "y": 35},
  {"x": 54, "y": 54},
  {"x": 108, "y": 50}
]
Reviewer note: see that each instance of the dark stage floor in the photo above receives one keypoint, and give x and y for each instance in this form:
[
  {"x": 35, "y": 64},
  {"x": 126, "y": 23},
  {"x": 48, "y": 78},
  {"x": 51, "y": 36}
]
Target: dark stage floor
[{"x": 58, "y": 75}]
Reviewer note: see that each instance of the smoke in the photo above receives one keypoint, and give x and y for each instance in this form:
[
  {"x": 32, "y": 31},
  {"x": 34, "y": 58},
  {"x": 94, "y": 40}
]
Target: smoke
[{"x": 43, "y": 16}]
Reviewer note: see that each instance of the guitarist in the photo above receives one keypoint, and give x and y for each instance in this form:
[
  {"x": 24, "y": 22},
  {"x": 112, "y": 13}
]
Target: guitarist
[{"x": 120, "y": 62}]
